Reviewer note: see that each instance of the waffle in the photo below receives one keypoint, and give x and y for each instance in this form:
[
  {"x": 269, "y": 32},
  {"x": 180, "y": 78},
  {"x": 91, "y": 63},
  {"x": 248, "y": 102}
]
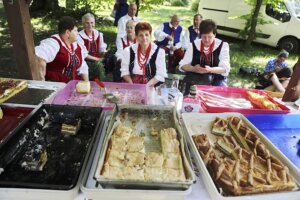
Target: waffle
[
  {"x": 219, "y": 127},
  {"x": 241, "y": 164}
]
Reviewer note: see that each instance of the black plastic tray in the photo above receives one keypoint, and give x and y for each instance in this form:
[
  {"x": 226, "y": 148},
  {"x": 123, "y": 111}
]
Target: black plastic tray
[{"x": 66, "y": 154}]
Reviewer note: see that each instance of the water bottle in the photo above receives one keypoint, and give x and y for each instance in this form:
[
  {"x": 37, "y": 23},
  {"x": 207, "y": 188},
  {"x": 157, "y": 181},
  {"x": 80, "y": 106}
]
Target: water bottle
[{"x": 171, "y": 46}]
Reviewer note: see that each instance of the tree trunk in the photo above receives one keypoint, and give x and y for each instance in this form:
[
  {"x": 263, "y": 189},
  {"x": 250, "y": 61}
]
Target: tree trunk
[
  {"x": 137, "y": 2},
  {"x": 252, "y": 31},
  {"x": 292, "y": 92}
]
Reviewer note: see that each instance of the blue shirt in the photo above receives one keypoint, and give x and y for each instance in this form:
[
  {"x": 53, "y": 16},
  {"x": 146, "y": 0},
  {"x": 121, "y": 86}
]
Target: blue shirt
[{"x": 273, "y": 64}]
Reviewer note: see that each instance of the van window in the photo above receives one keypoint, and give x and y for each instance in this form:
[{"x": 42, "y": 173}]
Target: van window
[
  {"x": 280, "y": 13},
  {"x": 295, "y": 7}
]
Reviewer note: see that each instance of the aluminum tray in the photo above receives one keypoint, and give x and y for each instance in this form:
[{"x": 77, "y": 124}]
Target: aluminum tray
[
  {"x": 93, "y": 190},
  {"x": 36, "y": 93},
  {"x": 13, "y": 117},
  {"x": 66, "y": 164},
  {"x": 160, "y": 117},
  {"x": 201, "y": 123}
]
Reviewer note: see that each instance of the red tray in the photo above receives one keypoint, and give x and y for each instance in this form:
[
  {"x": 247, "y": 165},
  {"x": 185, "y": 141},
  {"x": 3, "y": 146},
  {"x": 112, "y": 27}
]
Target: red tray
[
  {"x": 238, "y": 93},
  {"x": 13, "y": 116}
]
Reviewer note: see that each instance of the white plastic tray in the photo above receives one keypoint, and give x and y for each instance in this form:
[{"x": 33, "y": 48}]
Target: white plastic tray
[
  {"x": 197, "y": 123},
  {"x": 92, "y": 190}
]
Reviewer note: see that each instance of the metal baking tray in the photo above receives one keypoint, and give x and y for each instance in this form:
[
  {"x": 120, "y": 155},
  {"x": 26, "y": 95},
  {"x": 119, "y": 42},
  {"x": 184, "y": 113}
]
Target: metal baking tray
[
  {"x": 93, "y": 190},
  {"x": 67, "y": 155},
  {"x": 160, "y": 117},
  {"x": 36, "y": 93},
  {"x": 197, "y": 123},
  {"x": 12, "y": 118}
]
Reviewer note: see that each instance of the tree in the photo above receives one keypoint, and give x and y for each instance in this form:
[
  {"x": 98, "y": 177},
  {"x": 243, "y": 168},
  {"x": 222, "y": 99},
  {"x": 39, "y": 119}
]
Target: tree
[
  {"x": 44, "y": 5},
  {"x": 254, "y": 18}
]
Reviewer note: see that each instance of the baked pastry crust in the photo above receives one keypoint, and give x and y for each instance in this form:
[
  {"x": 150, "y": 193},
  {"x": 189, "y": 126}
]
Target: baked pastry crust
[
  {"x": 134, "y": 159},
  {"x": 10, "y": 87},
  {"x": 136, "y": 144},
  {"x": 154, "y": 159}
]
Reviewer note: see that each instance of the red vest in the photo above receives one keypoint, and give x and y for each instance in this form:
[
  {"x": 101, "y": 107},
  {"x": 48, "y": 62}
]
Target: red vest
[
  {"x": 64, "y": 66},
  {"x": 92, "y": 46}
]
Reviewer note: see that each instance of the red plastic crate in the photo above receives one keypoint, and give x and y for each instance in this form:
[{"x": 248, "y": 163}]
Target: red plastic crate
[{"x": 238, "y": 93}]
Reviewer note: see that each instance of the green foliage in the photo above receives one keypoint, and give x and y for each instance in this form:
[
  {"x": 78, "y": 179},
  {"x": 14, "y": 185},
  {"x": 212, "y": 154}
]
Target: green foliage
[
  {"x": 248, "y": 18},
  {"x": 178, "y": 3},
  {"x": 195, "y": 5}
]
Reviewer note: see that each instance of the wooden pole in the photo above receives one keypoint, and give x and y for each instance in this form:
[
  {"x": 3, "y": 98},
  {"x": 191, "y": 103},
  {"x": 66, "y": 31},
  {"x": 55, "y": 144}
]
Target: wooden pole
[
  {"x": 18, "y": 18},
  {"x": 292, "y": 92}
]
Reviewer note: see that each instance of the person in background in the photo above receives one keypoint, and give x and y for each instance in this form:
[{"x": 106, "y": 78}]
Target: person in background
[
  {"x": 121, "y": 8},
  {"x": 192, "y": 32},
  {"x": 276, "y": 73},
  {"x": 60, "y": 58},
  {"x": 143, "y": 62},
  {"x": 123, "y": 20},
  {"x": 93, "y": 40},
  {"x": 121, "y": 43},
  {"x": 206, "y": 61},
  {"x": 168, "y": 37}
]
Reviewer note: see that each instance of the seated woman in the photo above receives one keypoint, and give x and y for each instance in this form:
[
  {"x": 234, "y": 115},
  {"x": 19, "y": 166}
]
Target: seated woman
[
  {"x": 143, "y": 62},
  {"x": 60, "y": 58},
  {"x": 206, "y": 61},
  {"x": 94, "y": 43},
  {"x": 276, "y": 74},
  {"x": 122, "y": 43}
]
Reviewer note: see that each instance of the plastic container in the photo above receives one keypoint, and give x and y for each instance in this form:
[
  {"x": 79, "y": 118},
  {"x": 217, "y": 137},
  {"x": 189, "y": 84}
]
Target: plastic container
[
  {"x": 195, "y": 123},
  {"x": 283, "y": 131},
  {"x": 126, "y": 93},
  {"x": 238, "y": 93}
]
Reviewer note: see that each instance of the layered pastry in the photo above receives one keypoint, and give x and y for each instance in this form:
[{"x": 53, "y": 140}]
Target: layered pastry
[
  {"x": 34, "y": 158},
  {"x": 83, "y": 87},
  {"x": 241, "y": 164},
  {"x": 10, "y": 87},
  {"x": 169, "y": 141},
  {"x": 126, "y": 155},
  {"x": 262, "y": 101},
  {"x": 71, "y": 127},
  {"x": 219, "y": 126}
]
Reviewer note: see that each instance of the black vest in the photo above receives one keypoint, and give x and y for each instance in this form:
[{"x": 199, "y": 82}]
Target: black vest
[
  {"x": 203, "y": 79},
  {"x": 150, "y": 66}
]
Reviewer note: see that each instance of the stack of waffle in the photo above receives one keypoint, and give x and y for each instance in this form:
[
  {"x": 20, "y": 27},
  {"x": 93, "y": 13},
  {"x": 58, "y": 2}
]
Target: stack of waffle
[{"x": 242, "y": 164}]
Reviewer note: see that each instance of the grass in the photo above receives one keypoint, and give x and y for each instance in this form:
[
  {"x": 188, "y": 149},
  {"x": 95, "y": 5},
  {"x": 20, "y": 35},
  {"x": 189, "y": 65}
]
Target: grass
[{"x": 257, "y": 56}]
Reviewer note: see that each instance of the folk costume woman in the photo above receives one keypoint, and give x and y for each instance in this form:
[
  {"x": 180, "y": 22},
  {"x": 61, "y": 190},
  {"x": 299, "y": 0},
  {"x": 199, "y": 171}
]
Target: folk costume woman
[
  {"x": 121, "y": 43},
  {"x": 206, "y": 61},
  {"x": 93, "y": 40},
  {"x": 60, "y": 58},
  {"x": 143, "y": 62}
]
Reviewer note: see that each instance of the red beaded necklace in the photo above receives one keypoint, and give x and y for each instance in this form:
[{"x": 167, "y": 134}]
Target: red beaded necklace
[
  {"x": 143, "y": 60},
  {"x": 70, "y": 50},
  {"x": 210, "y": 50}
]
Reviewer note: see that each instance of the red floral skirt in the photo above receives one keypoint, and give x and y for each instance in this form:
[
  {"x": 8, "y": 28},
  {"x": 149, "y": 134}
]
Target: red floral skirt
[{"x": 140, "y": 79}]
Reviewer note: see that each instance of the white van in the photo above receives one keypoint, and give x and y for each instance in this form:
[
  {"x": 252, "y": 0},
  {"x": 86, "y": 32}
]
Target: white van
[{"x": 282, "y": 31}]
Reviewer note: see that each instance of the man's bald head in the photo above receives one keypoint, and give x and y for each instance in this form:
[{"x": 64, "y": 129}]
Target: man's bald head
[
  {"x": 132, "y": 9},
  {"x": 175, "y": 20}
]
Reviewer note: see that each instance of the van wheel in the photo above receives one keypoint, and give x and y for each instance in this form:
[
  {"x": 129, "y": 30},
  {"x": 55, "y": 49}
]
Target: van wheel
[{"x": 290, "y": 44}]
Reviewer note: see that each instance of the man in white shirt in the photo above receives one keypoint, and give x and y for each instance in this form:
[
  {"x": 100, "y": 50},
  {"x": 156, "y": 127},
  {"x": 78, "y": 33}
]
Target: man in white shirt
[
  {"x": 192, "y": 32},
  {"x": 123, "y": 20},
  {"x": 168, "y": 37}
]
